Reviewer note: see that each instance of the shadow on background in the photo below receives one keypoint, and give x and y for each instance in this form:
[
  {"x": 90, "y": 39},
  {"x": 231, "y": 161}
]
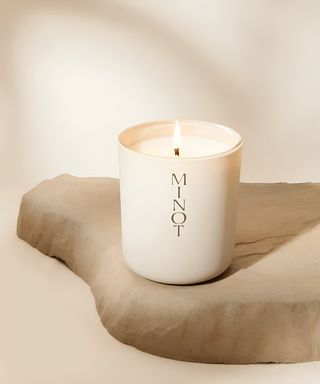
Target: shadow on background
[
  {"x": 123, "y": 43},
  {"x": 74, "y": 73}
]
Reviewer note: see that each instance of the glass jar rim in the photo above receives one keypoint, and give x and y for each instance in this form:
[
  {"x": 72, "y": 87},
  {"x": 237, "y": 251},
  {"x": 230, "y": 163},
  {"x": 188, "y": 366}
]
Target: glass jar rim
[{"x": 164, "y": 128}]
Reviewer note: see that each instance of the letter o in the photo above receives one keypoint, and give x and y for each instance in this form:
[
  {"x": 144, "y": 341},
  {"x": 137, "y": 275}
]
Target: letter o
[{"x": 174, "y": 217}]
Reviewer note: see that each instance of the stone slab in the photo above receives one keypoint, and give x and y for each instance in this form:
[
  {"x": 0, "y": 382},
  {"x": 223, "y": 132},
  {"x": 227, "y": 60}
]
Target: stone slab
[{"x": 264, "y": 308}]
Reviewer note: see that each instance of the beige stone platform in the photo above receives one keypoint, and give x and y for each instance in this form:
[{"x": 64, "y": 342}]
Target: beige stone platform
[{"x": 264, "y": 308}]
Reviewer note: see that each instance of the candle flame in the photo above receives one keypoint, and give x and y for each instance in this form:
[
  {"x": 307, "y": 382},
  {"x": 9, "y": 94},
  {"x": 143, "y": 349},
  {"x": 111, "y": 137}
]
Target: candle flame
[{"x": 177, "y": 139}]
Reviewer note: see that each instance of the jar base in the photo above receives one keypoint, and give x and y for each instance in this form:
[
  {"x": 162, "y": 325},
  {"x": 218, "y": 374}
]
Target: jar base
[{"x": 194, "y": 281}]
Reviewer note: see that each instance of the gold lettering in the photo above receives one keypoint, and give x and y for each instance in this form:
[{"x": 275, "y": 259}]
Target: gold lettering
[
  {"x": 179, "y": 217},
  {"x": 179, "y": 230},
  {"x": 181, "y": 206},
  {"x": 175, "y": 179},
  {"x": 174, "y": 217}
]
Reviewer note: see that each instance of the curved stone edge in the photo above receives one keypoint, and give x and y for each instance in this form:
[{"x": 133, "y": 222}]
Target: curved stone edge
[{"x": 148, "y": 338}]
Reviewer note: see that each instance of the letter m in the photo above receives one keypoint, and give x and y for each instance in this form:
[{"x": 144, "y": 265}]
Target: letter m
[{"x": 183, "y": 179}]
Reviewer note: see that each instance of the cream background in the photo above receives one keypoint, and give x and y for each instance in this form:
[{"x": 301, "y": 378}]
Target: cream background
[{"x": 73, "y": 74}]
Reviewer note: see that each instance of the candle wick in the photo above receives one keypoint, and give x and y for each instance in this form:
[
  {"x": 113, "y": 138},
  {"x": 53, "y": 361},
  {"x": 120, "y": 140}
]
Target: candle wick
[{"x": 177, "y": 151}]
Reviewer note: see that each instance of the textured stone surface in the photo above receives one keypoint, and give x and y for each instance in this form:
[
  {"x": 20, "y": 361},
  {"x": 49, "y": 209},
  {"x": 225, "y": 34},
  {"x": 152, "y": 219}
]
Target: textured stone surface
[{"x": 264, "y": 308}]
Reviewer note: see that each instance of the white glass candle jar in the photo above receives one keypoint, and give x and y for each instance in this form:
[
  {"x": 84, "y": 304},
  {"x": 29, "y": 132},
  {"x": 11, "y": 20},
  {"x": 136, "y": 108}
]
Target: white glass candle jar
[{"x": 179, "y": 185}]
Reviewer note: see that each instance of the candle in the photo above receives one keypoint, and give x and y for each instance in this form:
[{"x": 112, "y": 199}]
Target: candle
[
  {"x": 178, "y": 184},
  {"x": 189, "y": 146}
]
